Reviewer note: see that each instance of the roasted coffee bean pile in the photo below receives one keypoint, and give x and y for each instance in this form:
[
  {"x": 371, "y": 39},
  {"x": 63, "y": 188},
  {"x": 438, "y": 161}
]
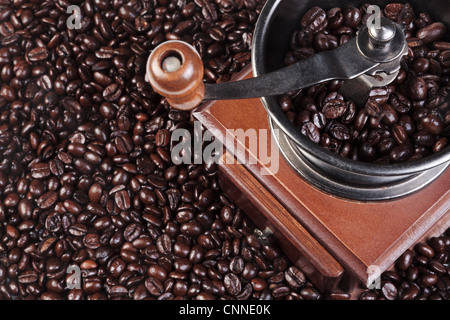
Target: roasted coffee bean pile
[
  {"x": 404, "y": 121},
  {"x": 86, "y": 177}
]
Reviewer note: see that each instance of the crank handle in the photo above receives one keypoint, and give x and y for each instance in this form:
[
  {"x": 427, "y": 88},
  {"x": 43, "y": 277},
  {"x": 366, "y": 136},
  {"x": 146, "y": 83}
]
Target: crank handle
[{"x": 175, "y": 69}]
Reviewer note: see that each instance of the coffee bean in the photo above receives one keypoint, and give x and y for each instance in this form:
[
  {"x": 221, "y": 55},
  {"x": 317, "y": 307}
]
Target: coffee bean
[
  {"x": 405, "y": 260},
  {"x": 294, "y": 277},
  {"x": 411, "y": 293},
  {"x": 432, "y": 123},
  {"x": 154, "y": 286},
  {"x": 112, "y": 92},
  {"x": 122, "y": 200},
  {"x": 352, "y": 17},
  {"x": 400, "y": 103},
  {"x": 38, "y": 54},
  {"x": 206, "y": 197},
  {"x": 232, "y": 284},
  {"x": 191, "y": 228},
  {"x": 78, "y": 230},
  {"x": 423, "y": 138},
  {"x": 164, "y": 244},
  {"x": 25, "y": 209},
  {"x": 310, "y": 130},
  {"x": 428, "y": 280},
  {"x": 309, "y": 293},
  {"x": 418, "y": 89},
  {"x": 340, "y": 131},
  {"x": 393, "y": 10},
  {"x": 443, "y": 58},
  {"x": 280, "y": 292},
  {"x": 47, "y": 200},
  {"x": 440, "y": 144},
  {"x": 237, "y": 265},
  {"x": 372, "y": 108},
  {"x": 399, "y": 133},
  {"x": 334, "y": 109},
  {"x": 132, "y": 232},
  {"x": 40, "y": 170},
  {"x": 389, "y": 291},
  {"x": 424, "y": 250},
  {"x": 401, "y": 153},
  {"x": 433, "y": 32},
  {"x": 314, "y": 20}
]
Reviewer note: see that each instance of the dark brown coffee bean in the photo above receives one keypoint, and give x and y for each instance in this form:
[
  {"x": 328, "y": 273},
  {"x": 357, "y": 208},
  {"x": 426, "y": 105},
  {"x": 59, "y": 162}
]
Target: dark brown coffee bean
[
  {"x": 352, "y": 17},
  {"x": 191, "y": 228},
  {"x": 237, "y": 265},
  {"x": 411, "y": 293},
  {"x": 389, "y": 291},
  {"x": 433, "y": 32},
  {"x": 28, "y": 277},
  {"x": 295, "y": 277},
  {"x": 367, "y": 152},
  {"x": 400, "y": 103},
  {"x": 112, "y": 92},
  {"x": 280, "y": 292},
  {"x": 25, "y": 209},
  {"x": 424, "y": 138},
  {"x": 440, "y": 144},
  {"x": 334, "y": 109},
  {"x": 162, "y": 138},
  {"x": 124, "y": 144},
  {"x": 122, "y": 199},
  {"x": 444, "y": 59},
  {"x": 432, "y": 123},
  {"x": 91, "y": 241},
  {"x": 38, "y": 54},
  {"x": 399, "y": 133},
  {"x": 418, "y": 89},
  {"x": 8, "y": 93},
  {"x": 310, "y": 130},
  {"x": 78, "y": 230},
  {"x": 132, "y": 232},
  {"x": 314, "y": 20},
  {"x": 401, "y": 153},
  {"x": 393, "y": 10},
  {"x": 380, "y": 95},
  {"x": 47, "y": 200},
  {"x": 232, "y": 284},
  {"x": 428, "y": 280},
  {"x": 405, "y": 260},
  {"x": 83, "y": 166},
  {"x": 164, "y": 244},
  {"x": 340, "y": 131},
  {"x": 40, "y": 170},
  {"x": 309, "y": 293},
  {"x": 154, "y": 286},
  {"x": 424, "y": 250},
  {"x": 372, "y": 108}
]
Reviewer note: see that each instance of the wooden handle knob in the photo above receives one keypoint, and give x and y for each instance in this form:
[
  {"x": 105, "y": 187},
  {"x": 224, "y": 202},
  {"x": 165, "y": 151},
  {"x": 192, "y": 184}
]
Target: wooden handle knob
[{"x": 175, "y": 71}]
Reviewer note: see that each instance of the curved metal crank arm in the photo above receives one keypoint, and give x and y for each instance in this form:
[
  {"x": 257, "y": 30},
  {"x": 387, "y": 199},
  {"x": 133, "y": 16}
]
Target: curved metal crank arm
[
  {"x": 343, "y": 63},
  {"x": 175, "y": 69}
]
